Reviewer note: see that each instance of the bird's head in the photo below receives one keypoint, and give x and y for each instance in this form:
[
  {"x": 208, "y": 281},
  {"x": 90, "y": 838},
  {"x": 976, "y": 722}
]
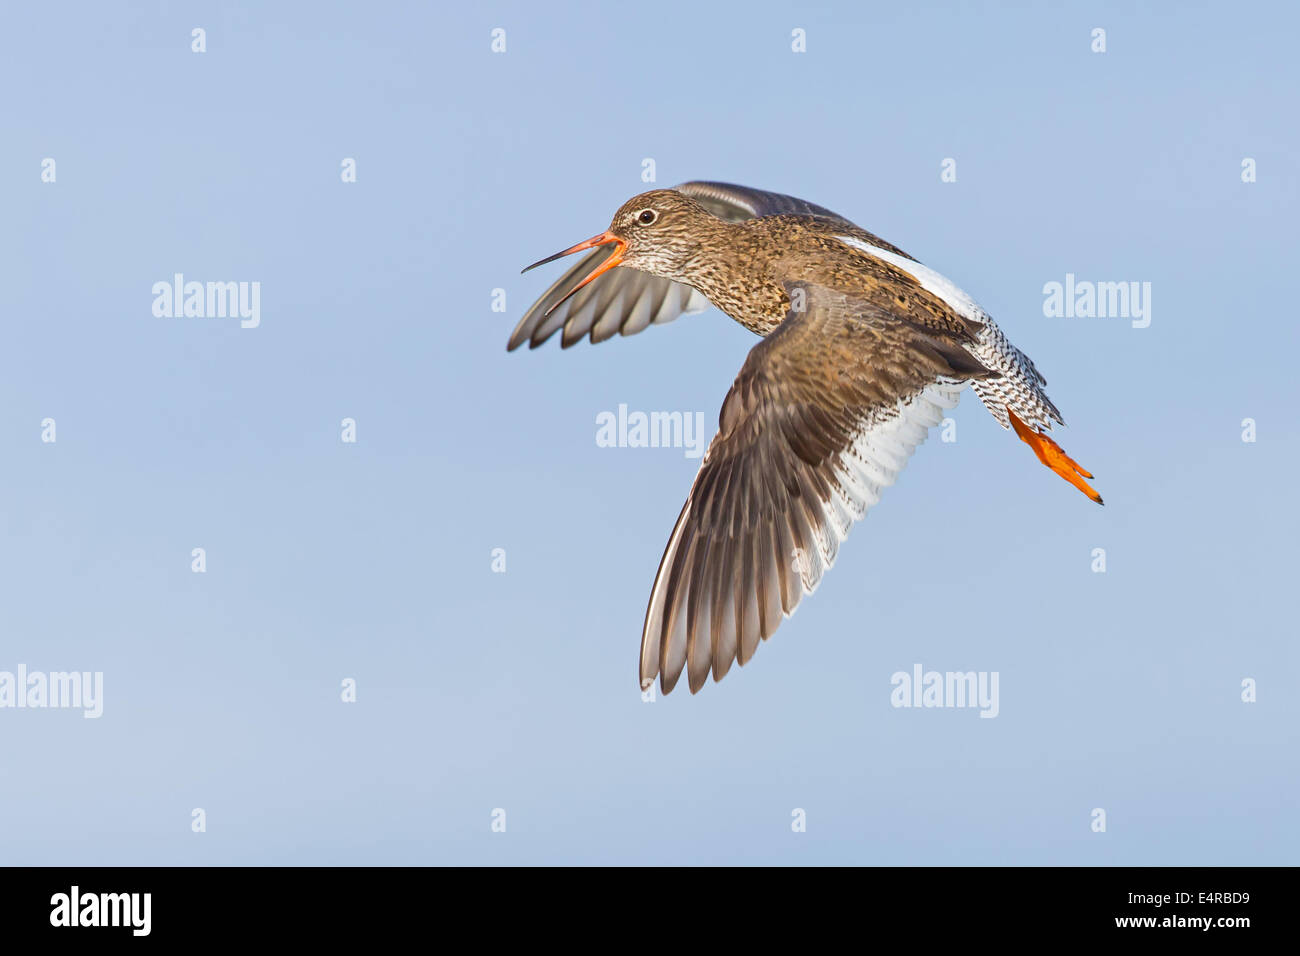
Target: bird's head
[{"x": 659, "y": 232}]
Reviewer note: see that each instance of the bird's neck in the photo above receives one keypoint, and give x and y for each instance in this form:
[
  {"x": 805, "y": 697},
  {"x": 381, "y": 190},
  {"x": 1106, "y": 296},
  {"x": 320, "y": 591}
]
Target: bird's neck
[{"x": 733, "y": 270}]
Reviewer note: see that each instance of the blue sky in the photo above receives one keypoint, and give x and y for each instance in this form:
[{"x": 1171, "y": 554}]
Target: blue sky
[{"x": 371, "y": 560}]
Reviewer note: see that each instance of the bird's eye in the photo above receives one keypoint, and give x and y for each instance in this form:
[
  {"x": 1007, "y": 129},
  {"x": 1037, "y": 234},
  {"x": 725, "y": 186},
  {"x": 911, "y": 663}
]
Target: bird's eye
[{"x": 647, "y": 216}]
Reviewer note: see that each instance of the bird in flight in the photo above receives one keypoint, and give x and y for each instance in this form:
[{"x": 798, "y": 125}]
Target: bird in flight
[{"x": 863, "y": 350}]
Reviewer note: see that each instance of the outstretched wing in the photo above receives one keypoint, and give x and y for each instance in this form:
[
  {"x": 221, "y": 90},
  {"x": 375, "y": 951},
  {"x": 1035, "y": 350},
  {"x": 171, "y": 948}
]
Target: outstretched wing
[
  {"x": 822, "y": 417},
  {"x": 627, "y": 300}
]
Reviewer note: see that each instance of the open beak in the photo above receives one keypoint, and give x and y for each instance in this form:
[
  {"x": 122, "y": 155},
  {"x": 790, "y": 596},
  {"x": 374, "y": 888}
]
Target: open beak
[{"x": 604, "y": 239}]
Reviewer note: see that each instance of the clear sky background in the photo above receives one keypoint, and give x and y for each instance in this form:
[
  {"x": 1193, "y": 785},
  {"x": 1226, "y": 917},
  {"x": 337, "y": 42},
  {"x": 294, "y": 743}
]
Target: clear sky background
[{"x": 372, "y": 561}]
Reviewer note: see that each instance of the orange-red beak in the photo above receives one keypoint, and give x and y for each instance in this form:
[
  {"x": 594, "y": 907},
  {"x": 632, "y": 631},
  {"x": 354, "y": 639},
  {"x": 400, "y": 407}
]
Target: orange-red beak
[{"x": 604, "y": 239}]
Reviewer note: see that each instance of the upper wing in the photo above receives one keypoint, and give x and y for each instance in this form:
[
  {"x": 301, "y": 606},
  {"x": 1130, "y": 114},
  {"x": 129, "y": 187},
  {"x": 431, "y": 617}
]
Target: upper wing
[
  {"x": 822, "y": 417},
  {"x": 734, "y": 203},
  {"x": 627, "y": 300}
]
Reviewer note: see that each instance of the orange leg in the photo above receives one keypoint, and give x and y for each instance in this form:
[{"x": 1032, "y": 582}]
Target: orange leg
[{"x": 1054, "y": 457}]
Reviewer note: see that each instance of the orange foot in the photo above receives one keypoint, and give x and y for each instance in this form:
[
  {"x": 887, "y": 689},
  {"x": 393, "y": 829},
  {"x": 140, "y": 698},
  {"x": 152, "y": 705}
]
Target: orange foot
[{"x": 1054, "y": 457}]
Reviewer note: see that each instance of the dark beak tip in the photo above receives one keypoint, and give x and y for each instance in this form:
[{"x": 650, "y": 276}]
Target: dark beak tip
[
  {"x": 542, "y": 262},
  {"x": 603, "y": 239}
]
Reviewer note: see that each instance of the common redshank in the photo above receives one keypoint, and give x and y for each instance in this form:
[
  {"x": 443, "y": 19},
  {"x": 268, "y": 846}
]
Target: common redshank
[{"x": 863, "y": 350}]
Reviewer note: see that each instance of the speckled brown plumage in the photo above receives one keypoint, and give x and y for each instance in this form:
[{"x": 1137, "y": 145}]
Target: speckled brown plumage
[{"x": 863, "y": 350}]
